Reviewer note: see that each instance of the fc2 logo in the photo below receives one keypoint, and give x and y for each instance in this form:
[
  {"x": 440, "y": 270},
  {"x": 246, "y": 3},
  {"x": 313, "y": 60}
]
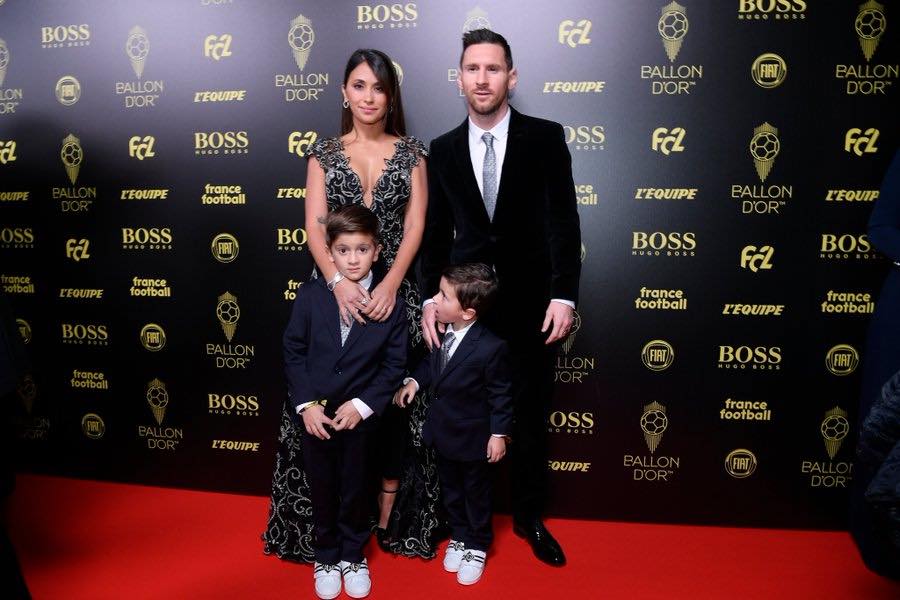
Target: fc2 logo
[
  {"x": 667, "y": 141},
  {"x": 754, "y": 258},
  {"x": 860, "y": 143},
  {"x": 572, "y": 34}
]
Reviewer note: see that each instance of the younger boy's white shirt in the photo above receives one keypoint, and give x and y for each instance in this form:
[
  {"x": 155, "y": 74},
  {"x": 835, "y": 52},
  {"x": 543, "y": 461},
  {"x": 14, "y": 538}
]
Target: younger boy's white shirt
[
  {"x": 361, "y": 407},
  {"x": 459, "y": 335}
]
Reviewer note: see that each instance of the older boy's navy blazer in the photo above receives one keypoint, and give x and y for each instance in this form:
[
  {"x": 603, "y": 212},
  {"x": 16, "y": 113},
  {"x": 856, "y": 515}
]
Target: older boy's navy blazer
[
  {"x": 369, "y": 366},
  {"x": 471, "y": 399}
]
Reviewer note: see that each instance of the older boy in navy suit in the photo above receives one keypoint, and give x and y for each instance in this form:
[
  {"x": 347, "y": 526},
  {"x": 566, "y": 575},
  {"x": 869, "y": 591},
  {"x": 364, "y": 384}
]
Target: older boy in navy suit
[
  {"x": 339, "y": 376},
  {"x": 470, "y": 415}
]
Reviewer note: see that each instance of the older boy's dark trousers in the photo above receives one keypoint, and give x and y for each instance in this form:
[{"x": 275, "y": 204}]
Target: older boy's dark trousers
[
  {"x": 337, "y": 471},
  {"x": 466, "y": 490}
]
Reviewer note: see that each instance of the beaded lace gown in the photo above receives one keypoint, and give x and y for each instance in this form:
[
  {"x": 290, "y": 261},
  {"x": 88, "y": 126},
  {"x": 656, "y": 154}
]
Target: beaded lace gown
[{"x": 414, "y": 521}]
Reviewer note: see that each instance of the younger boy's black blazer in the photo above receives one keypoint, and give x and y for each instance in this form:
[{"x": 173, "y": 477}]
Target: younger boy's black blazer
[
  {"x": 369, "y": 366},
  {"x": 471, "y": 399}
]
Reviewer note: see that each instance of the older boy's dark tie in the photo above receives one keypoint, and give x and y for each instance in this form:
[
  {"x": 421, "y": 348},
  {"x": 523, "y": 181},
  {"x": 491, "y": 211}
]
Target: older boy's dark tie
[{"x": 449, "y": 339}]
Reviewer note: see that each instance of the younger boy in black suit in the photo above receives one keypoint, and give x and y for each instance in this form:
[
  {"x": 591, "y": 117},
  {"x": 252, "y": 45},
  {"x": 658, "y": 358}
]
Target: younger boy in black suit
[
  {"x": 470, "y": 417},
  {"x": 339, "y": 376}
]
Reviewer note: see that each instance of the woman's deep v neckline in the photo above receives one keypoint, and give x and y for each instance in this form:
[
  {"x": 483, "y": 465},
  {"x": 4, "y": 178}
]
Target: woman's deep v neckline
[{"x": 362, "y": 192}]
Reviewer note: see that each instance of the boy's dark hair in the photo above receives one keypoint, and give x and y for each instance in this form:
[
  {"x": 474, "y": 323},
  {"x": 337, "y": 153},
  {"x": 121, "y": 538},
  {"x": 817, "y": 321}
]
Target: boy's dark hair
[
  {"x": 351, "y": 218},
  {"x": 486, "y": 36},
  {"x": 475, "y": 285}
]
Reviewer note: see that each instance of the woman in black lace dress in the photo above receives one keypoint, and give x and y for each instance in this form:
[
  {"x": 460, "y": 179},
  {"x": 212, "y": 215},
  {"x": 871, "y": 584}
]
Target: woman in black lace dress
[{"x": 372, "y": 163}]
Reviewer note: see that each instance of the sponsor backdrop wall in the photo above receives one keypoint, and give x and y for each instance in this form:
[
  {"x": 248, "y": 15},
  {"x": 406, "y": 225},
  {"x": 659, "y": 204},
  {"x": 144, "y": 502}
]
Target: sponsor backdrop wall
[{"x": 726, "y": 157}]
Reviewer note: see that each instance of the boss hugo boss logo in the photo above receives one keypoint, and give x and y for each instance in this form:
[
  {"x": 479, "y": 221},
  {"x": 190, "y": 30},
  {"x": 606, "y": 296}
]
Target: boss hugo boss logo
[
  {"x": 214, "y": 143},
  {"x": 16, "y": 237},
  {"x": 572, "y": 422},
  {"x": 760, "y": 358},
  {"x": 91, "y": 334},
  {"x": 771, "y": 9},
  {"x": 846, "y": 246},
  {"x": 147, "y": 238},
  {"x": 65, "y": 36},
  {"x": 290, "y": 240},
  {"x": 585, "y": 137},
  {"x": 659, "y": 243},
  {"x": 390, "y": 16},
  {"x": 243, "y": 405},
  {"x": 861, "y": 142}
]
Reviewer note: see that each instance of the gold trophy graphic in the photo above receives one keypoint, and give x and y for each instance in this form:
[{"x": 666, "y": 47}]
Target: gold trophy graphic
[
  {"x": 137, "y": 47},
  {"x": 158, "y": 399},
  {"x": 834, "y": 429},
  {"x": 654, "y": 422},
  {"x": 301, "y": 38},
  {"x": 672, "y": 27},
  {"x": 4, "y": 60},
  {"x": 228, "y": 313},
  {"x": 72, "y": 156},
  {"x": 764, "y": 147},
  {"x": 870, "y": 25}
]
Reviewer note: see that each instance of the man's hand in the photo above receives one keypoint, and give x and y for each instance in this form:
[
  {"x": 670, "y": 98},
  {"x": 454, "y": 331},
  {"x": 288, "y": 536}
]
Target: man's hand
[
  {"x": 346, "y": 417},
  {"x": 496, "y": 449},
  {"x": 314, "y": 420},
  {"x": 430, "y": 326},
  {"x": 560, "y": 316},
  {"x": 405, "y": 394}
]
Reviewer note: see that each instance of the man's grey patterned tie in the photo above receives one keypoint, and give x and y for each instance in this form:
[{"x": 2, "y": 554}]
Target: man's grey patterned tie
[
  {"x": 489, "y": 175},
  {"x": 449, "y": 339}
]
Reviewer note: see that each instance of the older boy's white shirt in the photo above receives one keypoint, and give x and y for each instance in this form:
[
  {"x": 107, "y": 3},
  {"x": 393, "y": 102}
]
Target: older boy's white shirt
[{"x": 361, "y": 407}]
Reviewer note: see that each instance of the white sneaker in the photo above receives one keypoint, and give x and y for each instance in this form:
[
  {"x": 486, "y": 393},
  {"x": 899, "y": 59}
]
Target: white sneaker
[
  {"x": 453, "y": 556},
  {"x": 471, "y": 567},
  {"x": 356, "y": 578},
  {"x": 328, "y": 581}
]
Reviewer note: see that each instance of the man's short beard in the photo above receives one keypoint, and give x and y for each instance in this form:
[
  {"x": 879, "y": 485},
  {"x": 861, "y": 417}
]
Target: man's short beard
[{"x": 490, "y": 110}]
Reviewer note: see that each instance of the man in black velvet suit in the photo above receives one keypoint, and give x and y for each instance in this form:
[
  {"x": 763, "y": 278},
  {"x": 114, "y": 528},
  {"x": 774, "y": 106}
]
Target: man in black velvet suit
[{"x": 501, "y": 192}]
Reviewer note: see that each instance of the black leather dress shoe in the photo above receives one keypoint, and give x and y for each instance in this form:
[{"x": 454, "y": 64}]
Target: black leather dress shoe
[{"x": 544, "y": 546}]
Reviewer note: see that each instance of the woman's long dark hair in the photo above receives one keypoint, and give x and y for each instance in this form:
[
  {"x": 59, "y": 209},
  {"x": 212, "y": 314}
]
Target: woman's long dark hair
[{"x": 383, "y": 68}]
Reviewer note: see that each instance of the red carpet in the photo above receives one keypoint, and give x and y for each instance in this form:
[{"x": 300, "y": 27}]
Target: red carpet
[{"x": 86, "y": 539}]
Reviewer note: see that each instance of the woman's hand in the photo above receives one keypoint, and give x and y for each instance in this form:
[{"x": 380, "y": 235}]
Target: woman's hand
[
  {"x": 382, "y": 301},
  {"x": 352, "y": 299}
]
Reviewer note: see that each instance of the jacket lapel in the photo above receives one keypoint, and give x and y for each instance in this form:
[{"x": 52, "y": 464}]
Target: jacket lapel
[
  {"x": 465, "y": 349},
  {"x": 465, "y": 169},
  {"x": 329, "y": 311},
  {"x": 514, "y": 148}
]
